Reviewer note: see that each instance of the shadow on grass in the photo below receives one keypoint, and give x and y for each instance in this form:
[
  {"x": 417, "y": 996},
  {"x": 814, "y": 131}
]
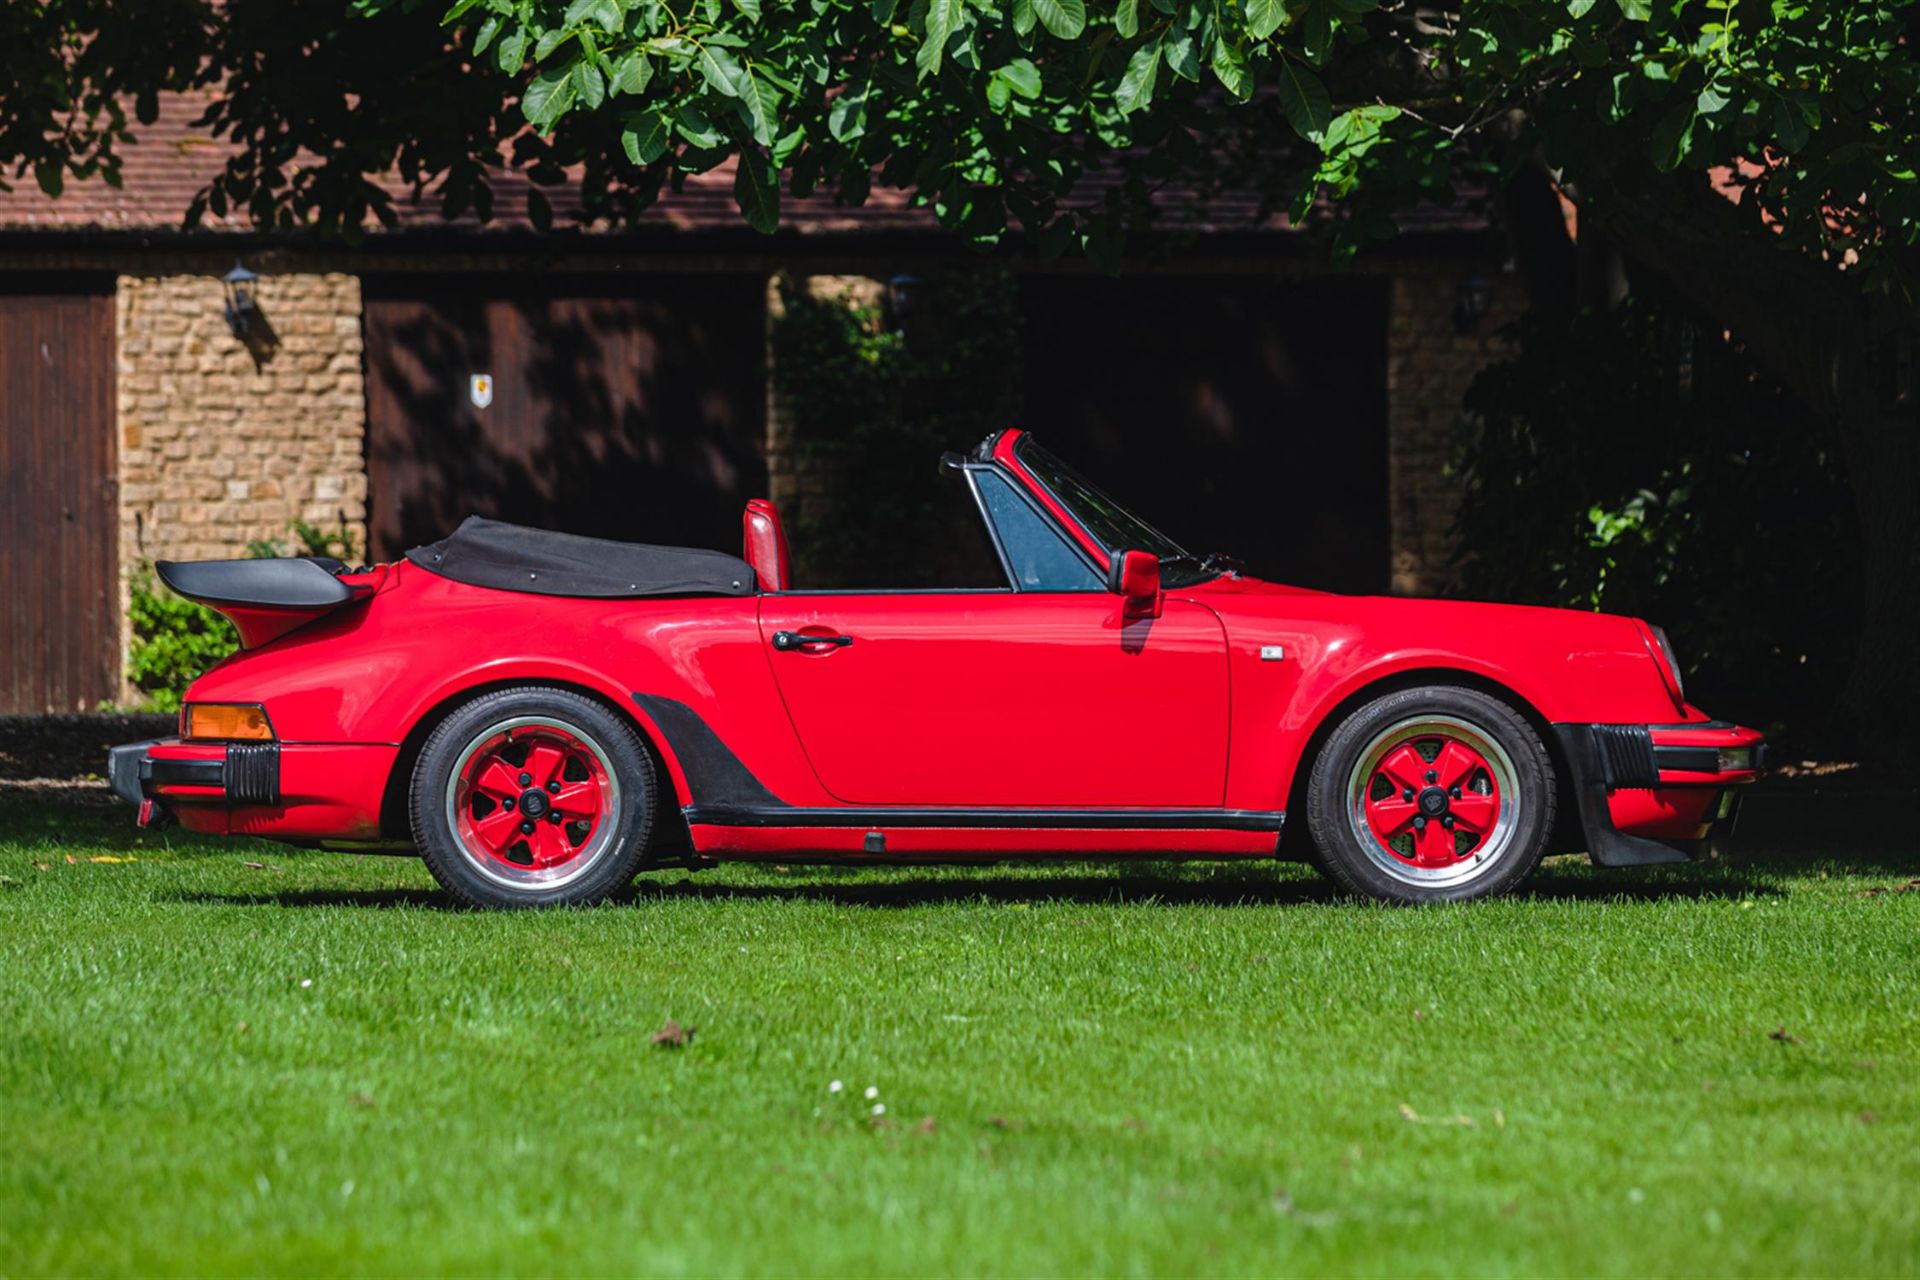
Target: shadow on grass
[{"x": 1251, "y": 890}]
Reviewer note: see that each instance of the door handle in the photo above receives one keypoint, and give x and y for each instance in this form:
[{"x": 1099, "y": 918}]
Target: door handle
[{"x": 788, "y": 641}]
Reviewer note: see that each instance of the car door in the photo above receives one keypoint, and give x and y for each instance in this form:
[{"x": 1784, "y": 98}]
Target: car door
[{"x": 1039, "y": 696}]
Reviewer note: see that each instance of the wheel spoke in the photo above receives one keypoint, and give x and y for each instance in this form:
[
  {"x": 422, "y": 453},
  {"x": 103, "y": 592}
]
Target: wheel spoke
[
  {"x": 498, "y": 830},
  {"x": 1404, "y": 768},
  {"x": 1455, "y": 764},
  {"x": 1433, "y": 846},
  {"x": 1475, "y": 811},
  {"x": 1391, "y": 815},
  {"x": 548, "y": 845},
  {"x": 498, "y": 780},
  {"x": 543, "y": 762},
  {"x": 577, "y": 800}
]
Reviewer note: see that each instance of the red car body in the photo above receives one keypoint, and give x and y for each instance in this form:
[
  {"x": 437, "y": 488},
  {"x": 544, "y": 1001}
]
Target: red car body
[{"x": 948, "y": 724}]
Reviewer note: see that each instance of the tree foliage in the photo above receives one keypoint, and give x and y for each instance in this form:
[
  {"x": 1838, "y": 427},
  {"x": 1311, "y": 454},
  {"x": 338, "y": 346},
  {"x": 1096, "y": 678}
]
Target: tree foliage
[{"x": 992, "y": 112}]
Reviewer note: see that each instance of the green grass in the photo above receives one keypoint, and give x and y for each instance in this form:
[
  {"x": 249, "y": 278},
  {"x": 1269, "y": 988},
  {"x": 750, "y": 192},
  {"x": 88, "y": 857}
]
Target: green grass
[{"x": 315, "y": 1066}]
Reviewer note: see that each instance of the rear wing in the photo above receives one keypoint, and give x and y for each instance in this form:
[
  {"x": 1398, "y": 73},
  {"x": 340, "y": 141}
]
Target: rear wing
[{"x": 265, "y": 599}]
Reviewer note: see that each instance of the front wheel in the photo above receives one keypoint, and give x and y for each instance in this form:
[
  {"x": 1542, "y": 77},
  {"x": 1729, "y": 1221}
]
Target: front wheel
[
  {"x": 1431, "y": 794},
  {"x": 533, "y": 797}
]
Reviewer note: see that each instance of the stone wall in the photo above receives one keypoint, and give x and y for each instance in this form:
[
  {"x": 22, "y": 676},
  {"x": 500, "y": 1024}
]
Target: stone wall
[
  {"x": 223, "y": 443},
  {"x": 1430, "y": 364}
]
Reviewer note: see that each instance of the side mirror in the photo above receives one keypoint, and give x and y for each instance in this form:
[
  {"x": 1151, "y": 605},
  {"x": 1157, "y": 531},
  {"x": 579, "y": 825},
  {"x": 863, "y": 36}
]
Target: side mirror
[{"x": 1135, "y": 577}]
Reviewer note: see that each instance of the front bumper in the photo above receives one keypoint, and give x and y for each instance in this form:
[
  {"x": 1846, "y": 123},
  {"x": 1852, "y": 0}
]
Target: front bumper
[
  {"x": 1652, "y": 793},
  {"x": 290, "y": 791}
]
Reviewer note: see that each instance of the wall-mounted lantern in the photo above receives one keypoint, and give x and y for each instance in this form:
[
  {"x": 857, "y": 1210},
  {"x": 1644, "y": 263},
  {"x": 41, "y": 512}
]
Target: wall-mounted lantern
[
  {"x": 1471, "y": 306},
  {"x": 243, "y": 308}
]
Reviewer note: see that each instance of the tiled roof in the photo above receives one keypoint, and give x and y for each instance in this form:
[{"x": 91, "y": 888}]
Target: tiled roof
[{"x": 171, "y": 160}]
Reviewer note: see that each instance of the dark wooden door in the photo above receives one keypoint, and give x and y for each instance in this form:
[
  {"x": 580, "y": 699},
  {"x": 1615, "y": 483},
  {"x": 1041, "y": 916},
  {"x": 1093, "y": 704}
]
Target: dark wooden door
[
  {"x": 1242, "y": 416},
  {"x": 59, "y": 532},
  {"x": 630, "y": 407}
]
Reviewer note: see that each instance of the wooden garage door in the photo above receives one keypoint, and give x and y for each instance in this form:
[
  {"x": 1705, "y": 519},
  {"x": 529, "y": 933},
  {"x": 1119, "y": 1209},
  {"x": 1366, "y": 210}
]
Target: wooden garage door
[
  {"x": 625, "y": 406},
  {"x": 58, "y": 532}
]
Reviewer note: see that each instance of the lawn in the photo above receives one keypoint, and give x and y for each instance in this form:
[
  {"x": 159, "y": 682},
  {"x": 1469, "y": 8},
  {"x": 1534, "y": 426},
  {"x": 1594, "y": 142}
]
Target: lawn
[{"x": 313, "y": 1065}]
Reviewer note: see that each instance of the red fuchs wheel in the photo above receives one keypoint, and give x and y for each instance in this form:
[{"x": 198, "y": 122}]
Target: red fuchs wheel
[
  {"x": 1431, "y": 794},
  {"x": 533, "y": 802},
  {"x": 533, "y": 797},
  {"x": 1431, "y": 800}
]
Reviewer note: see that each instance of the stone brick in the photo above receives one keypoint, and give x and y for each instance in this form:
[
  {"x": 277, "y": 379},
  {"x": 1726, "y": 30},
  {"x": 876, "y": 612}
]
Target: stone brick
[{"x": 203, "y": 428}]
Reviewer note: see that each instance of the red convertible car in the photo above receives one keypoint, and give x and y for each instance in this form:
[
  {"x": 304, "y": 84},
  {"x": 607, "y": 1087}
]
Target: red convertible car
[{"x": 542, "y": 715}]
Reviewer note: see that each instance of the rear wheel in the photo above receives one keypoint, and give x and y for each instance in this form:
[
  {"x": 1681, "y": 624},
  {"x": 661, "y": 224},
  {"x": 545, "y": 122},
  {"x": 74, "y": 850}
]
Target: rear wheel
[
  {"x": 533, "y": 797},
  {"x": 1431, "y": 794}
]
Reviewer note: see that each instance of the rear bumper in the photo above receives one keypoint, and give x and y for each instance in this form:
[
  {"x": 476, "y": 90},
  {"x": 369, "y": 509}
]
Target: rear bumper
[
  {"x": 1652, "y": 793},
  {"x": 329, "y": 791}
]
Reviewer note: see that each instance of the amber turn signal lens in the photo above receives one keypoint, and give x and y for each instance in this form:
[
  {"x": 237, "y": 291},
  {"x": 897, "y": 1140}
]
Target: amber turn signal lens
[{"x": 227, "y": 722}]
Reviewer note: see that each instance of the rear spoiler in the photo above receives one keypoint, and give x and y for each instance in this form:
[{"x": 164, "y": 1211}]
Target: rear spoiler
[{"x": 265, "y": 599}]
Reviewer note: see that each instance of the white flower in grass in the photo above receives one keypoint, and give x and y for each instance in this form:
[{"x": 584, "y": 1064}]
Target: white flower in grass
[
  {"x": 879, "y": 1108},
  {"x": 873, "y": 1091},
  {"x": 835, "y": 1087},
  {"x": 306, "y": 982}
]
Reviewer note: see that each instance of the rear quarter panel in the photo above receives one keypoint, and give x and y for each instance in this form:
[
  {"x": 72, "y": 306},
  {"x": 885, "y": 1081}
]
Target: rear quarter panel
[{"x": 370, "y": 672}]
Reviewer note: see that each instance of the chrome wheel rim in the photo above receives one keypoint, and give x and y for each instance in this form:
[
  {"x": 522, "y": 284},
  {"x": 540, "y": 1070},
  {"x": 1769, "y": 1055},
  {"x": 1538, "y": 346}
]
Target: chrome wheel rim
[
  {"x": 1424, "y": 839},
  {"x": 557, "y": 781}
]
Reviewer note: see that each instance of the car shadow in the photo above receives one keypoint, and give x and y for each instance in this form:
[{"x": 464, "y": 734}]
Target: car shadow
[{"x": 1083, "y": 890}]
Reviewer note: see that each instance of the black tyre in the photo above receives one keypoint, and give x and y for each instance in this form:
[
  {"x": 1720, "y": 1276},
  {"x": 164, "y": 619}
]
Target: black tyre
[
  {"x": 1431, "y": 794},
  {"x": 533, "y": 797}
]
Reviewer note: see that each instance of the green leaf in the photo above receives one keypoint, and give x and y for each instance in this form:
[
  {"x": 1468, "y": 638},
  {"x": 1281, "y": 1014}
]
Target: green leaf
[
  {"x": 749, "y": 7},
  {"x": 1023, "y": 17},
  {"x": 1264, "y": 17},
  {"x": 458, "y": 9},
  {"x": 1229, "y": 68},
  {"x": 1636, "y": 10},
  {"x": 847, "y": 117},
  {"x": 632, "y": 74},
  {"x": 1789, "y": 126},
  {"x": 549, "y": 97},
  {"x": 756, "y": 189},
  {"x": 1711, "y": 99},
  {"x": 1065, "y": 19},
  {"x": 511, "y": 53},
  {"x": 760, "y": 102},
  {"x": 1304, "y": 99},
  {"x": 1580, "y": 8},
  {"x": 646, "y": 136},
  {"x": 485, "y": 35},
  {"x": 1136, "y": 85},
  {"x": 721, "y": 71},
  {"x": 548, "y": 43},
  {"x": 1672, "y": 137},
  {"x": 943, "y": 19},
  {"x": 693, "y": 125},
  {"x": 1022, "y": 77},
  {"x": 1126, "y": 18},
  {"x": 592, "y": 88}
]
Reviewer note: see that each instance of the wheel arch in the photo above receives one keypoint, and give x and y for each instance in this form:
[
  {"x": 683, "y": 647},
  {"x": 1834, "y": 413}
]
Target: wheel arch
[
  {"x": 1294, "y": 839},
  {"x": 669, "y": 830}
]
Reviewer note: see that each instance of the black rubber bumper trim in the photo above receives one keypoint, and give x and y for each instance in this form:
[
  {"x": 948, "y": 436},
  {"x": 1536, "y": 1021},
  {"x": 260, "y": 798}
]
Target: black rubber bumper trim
[
  {"x": 249, "y": 773},
  {"x": 1585, "y": 747},
  {"x": 1037, "y": 819}
]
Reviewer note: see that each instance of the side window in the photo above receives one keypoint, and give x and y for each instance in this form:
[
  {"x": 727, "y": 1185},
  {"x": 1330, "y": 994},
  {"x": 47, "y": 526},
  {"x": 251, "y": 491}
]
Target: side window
[{"x": 1040, "y": 557}]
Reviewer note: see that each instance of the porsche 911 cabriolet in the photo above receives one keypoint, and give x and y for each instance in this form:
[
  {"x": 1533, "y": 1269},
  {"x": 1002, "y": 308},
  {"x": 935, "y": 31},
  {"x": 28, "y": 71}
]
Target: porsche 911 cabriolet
[{"x": 542, "y": 715}]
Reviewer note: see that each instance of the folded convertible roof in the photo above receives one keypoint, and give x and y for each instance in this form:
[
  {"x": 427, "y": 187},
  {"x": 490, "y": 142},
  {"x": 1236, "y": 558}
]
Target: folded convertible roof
[{"x": 511, "y": 557}]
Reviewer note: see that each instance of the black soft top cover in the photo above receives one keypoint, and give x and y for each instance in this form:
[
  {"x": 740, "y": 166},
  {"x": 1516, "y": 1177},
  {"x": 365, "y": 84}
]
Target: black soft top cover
[{"x": 511, "y": 557}]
